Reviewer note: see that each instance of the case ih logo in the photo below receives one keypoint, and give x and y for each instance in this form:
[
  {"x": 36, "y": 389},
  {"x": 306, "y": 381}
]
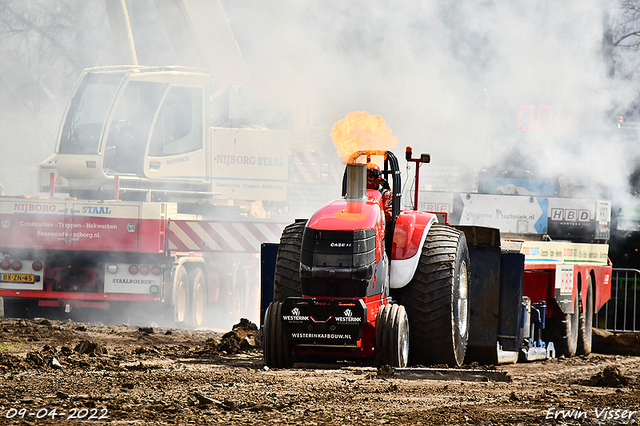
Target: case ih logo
[
  {"x": 570, "y": 215},
  {"x": 34, "y": 208},
  {"x": 340, "y": 245}
]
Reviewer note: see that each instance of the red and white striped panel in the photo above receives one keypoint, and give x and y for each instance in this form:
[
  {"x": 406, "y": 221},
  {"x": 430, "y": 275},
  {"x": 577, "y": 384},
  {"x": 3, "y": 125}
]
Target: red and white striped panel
[
  {"x": 310, "y": 167},
  {"x": 222, "y": 236}
]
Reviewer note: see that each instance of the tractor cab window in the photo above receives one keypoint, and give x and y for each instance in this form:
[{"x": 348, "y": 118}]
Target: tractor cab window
[
  {"x": 130, "y": 127},
  {"x": 87, "y": 113},
  {"x": 178, "y": 128}
]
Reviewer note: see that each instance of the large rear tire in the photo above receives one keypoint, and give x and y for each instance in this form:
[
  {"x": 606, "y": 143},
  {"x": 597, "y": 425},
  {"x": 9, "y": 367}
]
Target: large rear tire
[
  {"x": 277, "y": 351},
  {"x": 392, "y": 336},
  {"x": 585, "y": 328},
  {"x": 287, "y": 274},
  {"x": 436, "y": 299},
  {"x": 563, "y": 332}
]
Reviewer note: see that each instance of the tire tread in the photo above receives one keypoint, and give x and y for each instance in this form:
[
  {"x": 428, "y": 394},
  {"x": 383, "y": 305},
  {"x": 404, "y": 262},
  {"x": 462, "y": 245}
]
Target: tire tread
[{"x": 287, "y": 274}]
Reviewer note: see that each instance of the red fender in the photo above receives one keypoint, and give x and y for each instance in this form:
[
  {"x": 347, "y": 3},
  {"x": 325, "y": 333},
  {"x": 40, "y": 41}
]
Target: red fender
[{"x": 411, "y": 230}]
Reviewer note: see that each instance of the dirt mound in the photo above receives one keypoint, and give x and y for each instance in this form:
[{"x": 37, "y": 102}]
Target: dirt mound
[
  {"x": 88, "y": 347},
  {"x": 606, "y": 342},
  {"x": 610, "y": 377},
  {"x": 244, "y": 336}
]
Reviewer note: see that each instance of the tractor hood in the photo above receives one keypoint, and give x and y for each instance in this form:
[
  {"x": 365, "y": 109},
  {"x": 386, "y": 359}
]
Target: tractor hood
[
  {"x": 342, "y": 215},
  {"x": 341, "y": 246}
]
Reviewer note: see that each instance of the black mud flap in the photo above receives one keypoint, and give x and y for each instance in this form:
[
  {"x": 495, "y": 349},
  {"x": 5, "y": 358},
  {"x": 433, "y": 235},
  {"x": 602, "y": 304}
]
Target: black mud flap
[
  {"x": 484, "y": 293},
  {"x": 337, "y": 322},
  {"x": 268, "y": 254},
  {"x": 495, "y": 295}
]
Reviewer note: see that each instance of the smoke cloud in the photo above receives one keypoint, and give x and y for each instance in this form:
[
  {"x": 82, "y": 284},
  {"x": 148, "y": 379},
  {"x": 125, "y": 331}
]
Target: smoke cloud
[{"x": 466, "y": 82}]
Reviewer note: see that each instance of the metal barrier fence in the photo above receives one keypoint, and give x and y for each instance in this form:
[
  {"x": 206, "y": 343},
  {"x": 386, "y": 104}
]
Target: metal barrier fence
[{"x": 622, "y": 311}]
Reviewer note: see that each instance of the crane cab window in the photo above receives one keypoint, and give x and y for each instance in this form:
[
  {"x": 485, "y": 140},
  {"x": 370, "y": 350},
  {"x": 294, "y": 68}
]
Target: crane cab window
[
  {"x": 87, "y": 114},
  {"x": 131, "y": 126},
  {"x": 178, "y": 127}
]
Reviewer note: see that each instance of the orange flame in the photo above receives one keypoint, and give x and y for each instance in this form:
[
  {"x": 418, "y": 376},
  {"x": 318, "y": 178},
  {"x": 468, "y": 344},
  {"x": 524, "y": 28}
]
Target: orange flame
[{"x": 360, "y": 130}]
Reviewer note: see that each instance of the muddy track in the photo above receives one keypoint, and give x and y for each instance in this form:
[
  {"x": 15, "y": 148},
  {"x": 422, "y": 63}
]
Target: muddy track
[{"x": 145, "y": 375}]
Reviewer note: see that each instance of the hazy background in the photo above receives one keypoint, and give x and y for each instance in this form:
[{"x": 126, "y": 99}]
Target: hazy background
[{"x": 449, "y": 78}]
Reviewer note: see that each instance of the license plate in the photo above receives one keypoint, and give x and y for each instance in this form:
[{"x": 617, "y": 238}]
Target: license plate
[{"x": 18, "y": 278}]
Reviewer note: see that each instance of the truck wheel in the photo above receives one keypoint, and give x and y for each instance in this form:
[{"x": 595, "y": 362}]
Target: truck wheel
[
  {"x": 563, "y": 332},
  {"x": 238, "y": 305},
  {"x": 436, "y": 299},
  {"x": 276, "y": 348},
  {"x": 180, "y": 296},
  {"x": 392, "y": 336},
  {"x": 585, "y": 329},
  {"x": 197, "y": 313},
  {"x": 287, "y": 275}
]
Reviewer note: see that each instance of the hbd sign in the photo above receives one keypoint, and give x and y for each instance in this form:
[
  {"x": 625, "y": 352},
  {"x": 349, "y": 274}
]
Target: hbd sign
[{"x": 569, "y": 215}]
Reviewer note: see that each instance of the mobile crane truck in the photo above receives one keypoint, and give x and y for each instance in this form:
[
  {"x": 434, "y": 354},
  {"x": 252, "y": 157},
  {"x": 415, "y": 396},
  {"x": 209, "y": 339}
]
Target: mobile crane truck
[
  {"x": 405, "y": 287},
  {"x": 177, "y": 205},
  {"x": 170, "y": 186}
]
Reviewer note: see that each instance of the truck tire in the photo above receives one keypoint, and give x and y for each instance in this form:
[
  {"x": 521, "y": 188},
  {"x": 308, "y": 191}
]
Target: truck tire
[
  {"x": 436, "y": 299},
  {"x": 585, "y": 327},
  {"x": 196, "y": 315},
  {"x": 181, "y": 296},
  {"x": 563, "y": 332},
  {"x": 287, "y": 275},
  {"x": 239, "y": 291},
  {"x": 392, "y": 336},
  {"x": 276, "y": 348}
]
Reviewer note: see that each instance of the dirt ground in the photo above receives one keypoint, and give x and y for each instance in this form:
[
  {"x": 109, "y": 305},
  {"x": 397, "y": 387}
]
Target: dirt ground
[{"x": 55, "y": 372}]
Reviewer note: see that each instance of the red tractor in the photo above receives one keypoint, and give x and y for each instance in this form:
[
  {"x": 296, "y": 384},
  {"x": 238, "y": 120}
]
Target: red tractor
[{"x": 340, "y": 278}]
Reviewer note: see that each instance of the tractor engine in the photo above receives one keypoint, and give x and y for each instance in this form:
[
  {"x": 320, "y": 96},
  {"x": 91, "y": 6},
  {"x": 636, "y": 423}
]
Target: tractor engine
[{"x": 337, "y": 263}]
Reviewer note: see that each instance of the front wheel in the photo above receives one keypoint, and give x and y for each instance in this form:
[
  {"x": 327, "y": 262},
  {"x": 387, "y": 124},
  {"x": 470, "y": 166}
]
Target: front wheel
[
  {"x": 277, "y": 351},
  {"x": 436, "y": 299},
  {"x": 392, "y": 336}
]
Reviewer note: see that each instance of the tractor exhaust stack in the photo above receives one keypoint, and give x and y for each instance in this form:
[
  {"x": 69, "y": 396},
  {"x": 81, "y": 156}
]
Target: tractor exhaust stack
[{"x": 356, "y": 195}]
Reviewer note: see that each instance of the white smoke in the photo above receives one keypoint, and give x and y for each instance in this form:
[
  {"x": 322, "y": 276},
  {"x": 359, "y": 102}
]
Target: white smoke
[{"x": 450, "y": 78}]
